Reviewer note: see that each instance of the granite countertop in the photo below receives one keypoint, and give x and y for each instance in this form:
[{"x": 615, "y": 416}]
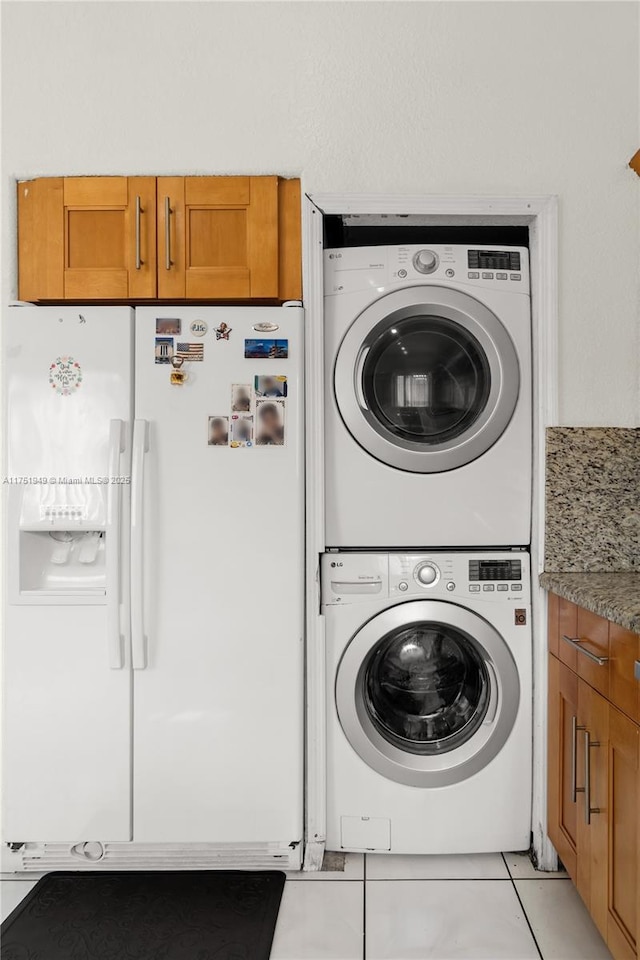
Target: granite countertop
[{"x": 615, "y": 596}]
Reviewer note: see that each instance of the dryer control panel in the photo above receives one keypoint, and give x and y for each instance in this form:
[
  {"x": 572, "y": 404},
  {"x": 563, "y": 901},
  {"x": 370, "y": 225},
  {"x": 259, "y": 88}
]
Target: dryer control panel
[
  {"x": 349, "y": 578},
  {"x": 349, "y": 269}
]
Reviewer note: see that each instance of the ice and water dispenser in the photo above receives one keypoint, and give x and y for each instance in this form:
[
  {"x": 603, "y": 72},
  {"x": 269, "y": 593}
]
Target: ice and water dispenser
[
  {"x": 62, "y": 528},
  {"x": 61, "y": 563}
]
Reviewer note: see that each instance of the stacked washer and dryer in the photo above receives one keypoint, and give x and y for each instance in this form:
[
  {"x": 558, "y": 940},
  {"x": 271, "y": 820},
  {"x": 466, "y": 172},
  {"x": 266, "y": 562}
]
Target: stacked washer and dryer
[{"x": 426, "y": 578}]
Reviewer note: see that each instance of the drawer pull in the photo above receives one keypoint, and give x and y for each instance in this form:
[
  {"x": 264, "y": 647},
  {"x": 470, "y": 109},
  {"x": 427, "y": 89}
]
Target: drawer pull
[
  {"x": 575, "y": 789},
  {"x": 636, "y": 669},
  {"x": 588, "y": 809},
  {"x": 576, "y": 642}
]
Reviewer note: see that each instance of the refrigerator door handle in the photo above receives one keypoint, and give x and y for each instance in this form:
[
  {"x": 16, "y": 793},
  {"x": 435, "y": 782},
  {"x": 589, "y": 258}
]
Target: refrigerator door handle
[
  {"x": 113, "y": 546},
  {"x": 138, "y": 638}
]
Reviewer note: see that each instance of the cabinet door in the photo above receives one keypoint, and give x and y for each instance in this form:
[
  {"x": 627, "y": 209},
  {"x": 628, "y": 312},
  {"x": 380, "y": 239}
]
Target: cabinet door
[
  {"x": 87, "y": 238},
  {"x": 593, "y": 801},
  {"x": 218, "y": 238},
  {"x": 109, "y": 238},
  {"x": 623, "y": 893},
  {"x": 563, "y": 763}
]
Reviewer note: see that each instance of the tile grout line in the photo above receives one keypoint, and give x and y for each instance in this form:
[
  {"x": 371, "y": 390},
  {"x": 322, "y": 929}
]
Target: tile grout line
[{"x": 525, "y": 914}]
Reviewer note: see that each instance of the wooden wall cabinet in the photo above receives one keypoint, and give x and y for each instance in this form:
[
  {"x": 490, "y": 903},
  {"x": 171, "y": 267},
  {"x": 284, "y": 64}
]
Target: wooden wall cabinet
[
  {"x": 594, "y": 768},
  {"x": 168, "y": 238}
]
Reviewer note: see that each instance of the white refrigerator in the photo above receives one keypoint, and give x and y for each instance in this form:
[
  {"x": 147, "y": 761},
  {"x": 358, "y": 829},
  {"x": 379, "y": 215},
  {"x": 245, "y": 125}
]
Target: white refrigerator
[{"x": 153, "y": 630}]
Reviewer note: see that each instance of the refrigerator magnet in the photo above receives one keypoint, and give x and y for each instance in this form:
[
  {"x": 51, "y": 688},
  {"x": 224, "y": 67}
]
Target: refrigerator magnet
[
  {"x": 270, "y": 387},
  {"x": 65, "y": 376},
  {"x": 178, "y": 377},
  {"x": 218, "y": 431},
  {"x": 241, "y": 430},
  {"x": 164, "y": 349},
  {"x": 266, "y": 349},
  {"x": 266, "y": 327},
  {"x": 269, "y": 423},
  {"x": 223, "y": 331},
  {"x": 190, "y": 351},
  {"x": 198, "y": 328},
  {"x": 241, "y": 398},
  {"x": 168, "y": 326}
]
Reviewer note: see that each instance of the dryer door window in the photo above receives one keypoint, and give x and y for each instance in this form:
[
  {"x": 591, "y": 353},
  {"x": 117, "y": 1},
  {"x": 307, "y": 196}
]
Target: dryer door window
[
  {"x": 427, "y": 693},
  {"x": 426, "y": 688},
  {"x": 427, "y": 379}
]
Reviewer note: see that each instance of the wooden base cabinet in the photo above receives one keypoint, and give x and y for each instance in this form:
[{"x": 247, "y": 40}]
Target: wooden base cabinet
[
  {"x": 166, "y": 238},
  {"x": 594, "y": 776}
]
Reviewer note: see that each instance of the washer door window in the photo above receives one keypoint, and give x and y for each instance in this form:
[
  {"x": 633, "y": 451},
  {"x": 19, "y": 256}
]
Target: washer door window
[
  {"x": 427, "y": 379},
  {"x": 427, "y": 693}
]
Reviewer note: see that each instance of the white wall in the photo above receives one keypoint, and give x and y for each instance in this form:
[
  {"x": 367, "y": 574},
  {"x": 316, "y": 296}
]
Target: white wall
[{"x": 439, "y": 98}]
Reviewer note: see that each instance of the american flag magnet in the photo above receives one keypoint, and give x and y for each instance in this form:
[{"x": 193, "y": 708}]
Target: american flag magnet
[{"x": 190, "y": 351}]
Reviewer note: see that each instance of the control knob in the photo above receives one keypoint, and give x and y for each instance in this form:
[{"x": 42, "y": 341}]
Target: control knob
[
  {"x": 427, "y": 574},
  {"x": 425, "y": 261}
]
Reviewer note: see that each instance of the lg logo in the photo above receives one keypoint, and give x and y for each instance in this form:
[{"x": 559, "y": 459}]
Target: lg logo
[
  {"x": 335, "y": 256},
  {"x": 337, "y": 563}
]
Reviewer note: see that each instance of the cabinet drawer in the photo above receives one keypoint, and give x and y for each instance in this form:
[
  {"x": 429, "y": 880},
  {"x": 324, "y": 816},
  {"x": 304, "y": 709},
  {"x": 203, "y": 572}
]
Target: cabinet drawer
[
  {"x": 585, "y": 649},
  {"x": 567, "y": 627},
  {"x": 624, "y": 687}
]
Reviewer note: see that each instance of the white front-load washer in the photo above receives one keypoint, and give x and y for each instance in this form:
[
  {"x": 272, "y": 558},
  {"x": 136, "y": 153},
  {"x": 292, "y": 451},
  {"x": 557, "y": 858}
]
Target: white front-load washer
[
  {"x": 429, "y": 701},
  {"x": 428, "y": 409}
]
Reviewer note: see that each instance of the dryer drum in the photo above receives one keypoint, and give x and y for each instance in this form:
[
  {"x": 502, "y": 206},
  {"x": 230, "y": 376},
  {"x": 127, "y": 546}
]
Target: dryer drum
[{"x": 428, "y": 381}]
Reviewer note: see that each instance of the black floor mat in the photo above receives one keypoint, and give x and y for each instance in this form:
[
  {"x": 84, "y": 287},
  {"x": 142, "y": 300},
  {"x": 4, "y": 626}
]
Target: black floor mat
[{"x": 181, "y": 915}]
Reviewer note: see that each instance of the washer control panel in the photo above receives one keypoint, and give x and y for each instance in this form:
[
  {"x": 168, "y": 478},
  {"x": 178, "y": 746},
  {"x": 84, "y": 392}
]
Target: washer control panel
[
  {"x": 497, "y": 576},
  {"x": 380, "y": 269}
]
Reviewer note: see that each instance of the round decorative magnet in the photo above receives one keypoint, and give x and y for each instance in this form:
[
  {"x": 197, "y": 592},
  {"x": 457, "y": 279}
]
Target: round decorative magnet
[
  {"x": 198, "y": 328},
  {"x": 65, "y": 376},
  {"x": 266, "y": 327}
]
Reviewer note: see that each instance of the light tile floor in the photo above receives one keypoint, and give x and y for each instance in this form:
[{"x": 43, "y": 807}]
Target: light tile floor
[{"x": 494, "y": 907}]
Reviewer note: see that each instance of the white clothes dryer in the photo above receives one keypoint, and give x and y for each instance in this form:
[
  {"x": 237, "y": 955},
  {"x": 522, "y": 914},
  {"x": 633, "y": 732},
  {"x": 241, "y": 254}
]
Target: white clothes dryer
[
  {"x": 428, "y": 410},
  {"x": 429, "y": 701}
]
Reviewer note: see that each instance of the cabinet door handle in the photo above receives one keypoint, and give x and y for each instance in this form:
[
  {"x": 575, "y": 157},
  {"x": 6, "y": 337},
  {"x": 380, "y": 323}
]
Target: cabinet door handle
[
  {"x": 577, "y": 642},
  {"x": 575, "y": 789},
  {"x": 588, "y": 809},
  {"x": 167, "y": 233},
  {"x": 636, "y": 669},
  {"x": 138, "y": 212}
]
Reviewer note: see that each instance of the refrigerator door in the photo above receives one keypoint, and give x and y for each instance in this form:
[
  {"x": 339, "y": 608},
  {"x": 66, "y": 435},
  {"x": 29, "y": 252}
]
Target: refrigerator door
[
  {"x": 217, "y": 542},
  {"x": 66, "y": 663}
]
